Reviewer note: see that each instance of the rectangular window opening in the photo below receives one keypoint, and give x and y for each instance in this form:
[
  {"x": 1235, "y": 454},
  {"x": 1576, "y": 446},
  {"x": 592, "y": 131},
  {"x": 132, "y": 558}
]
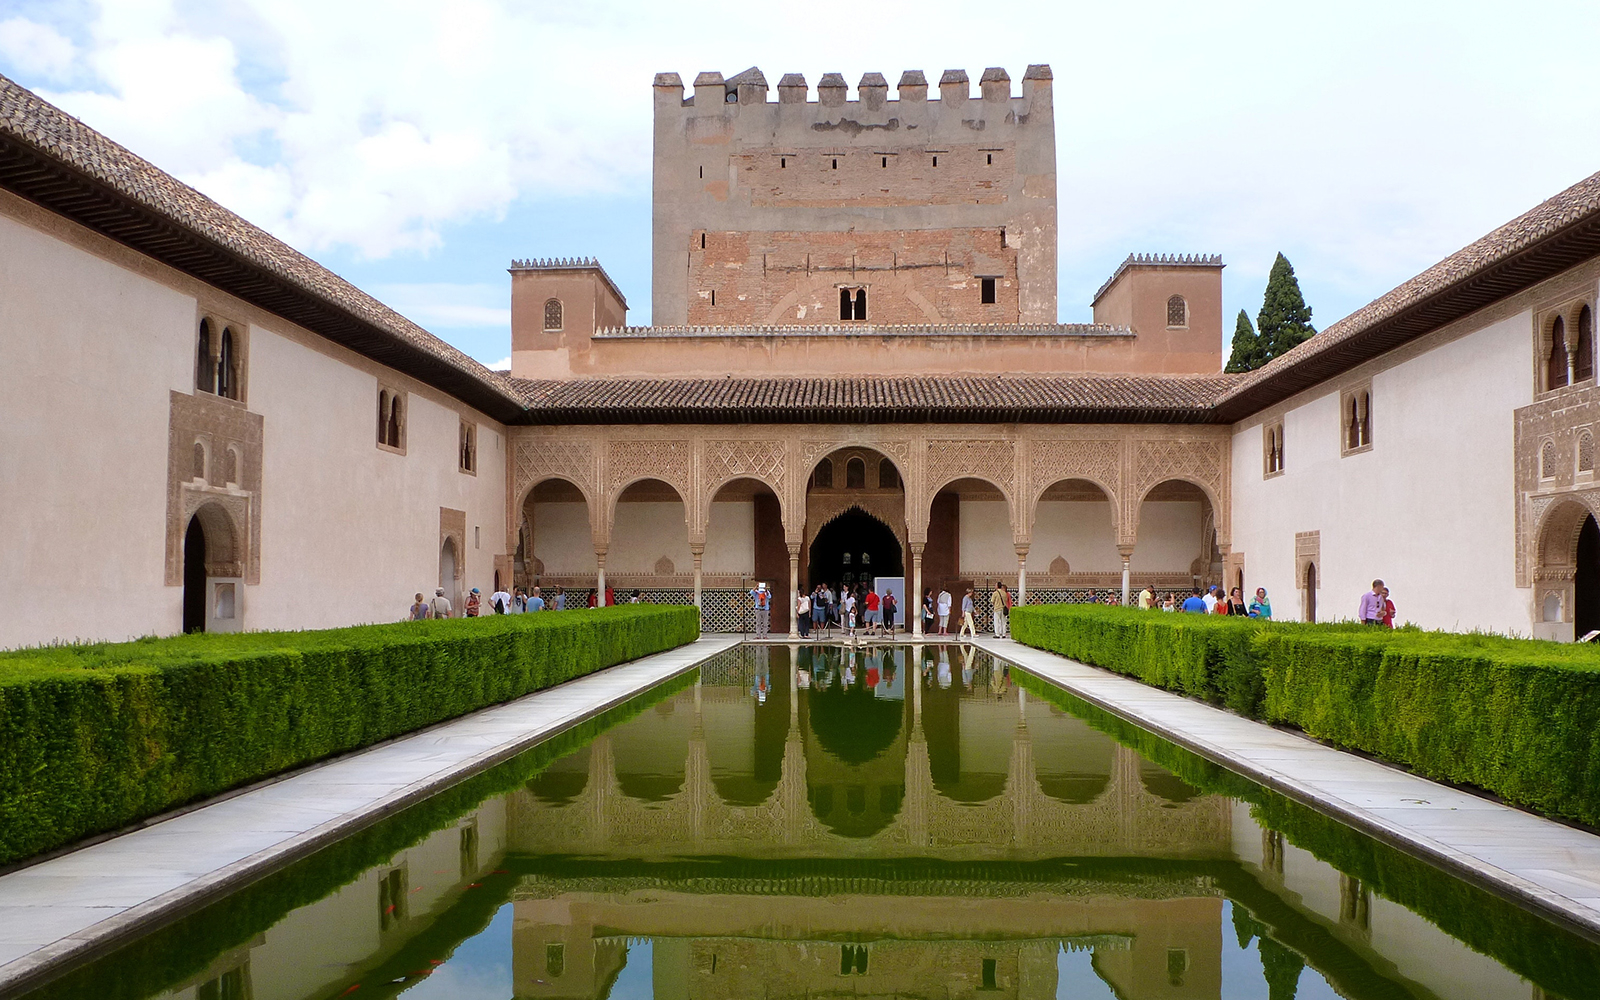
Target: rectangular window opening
[
  {"x": 783, "y": 163},
  {"x": 988, "y": 292},
  {"x": 936, "y": 161},
  {"x": 988, "y": 974},
  {"x": 702, "y": 173},
  {"x": 702, "y": 241},
  {"x": 988, "y": 159},
  {"x": 477, "y": 539},
  {"x": 885, "y": 161},
  {"x": 836, "y": 163},
  {"x": 713, "y": 296}
]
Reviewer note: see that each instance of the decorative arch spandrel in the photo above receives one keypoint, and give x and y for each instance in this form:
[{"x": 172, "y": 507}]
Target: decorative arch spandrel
[
  {"x": 724, "y": 460},
  {"x": 992, "y": 460},
  {"x": 629, "y": 462},
  {"x": 538, "y": 459},
  {"x": 1093, "y": 461},
  {"x": 1200, "y": 462}
]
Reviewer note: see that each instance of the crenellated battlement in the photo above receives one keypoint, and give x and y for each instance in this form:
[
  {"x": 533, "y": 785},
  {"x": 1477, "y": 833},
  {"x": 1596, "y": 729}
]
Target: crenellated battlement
[
  {"x": 712, "y": 90},
  {"x": 544, "y": 263},
  {"x": 1159, "y": 260}
]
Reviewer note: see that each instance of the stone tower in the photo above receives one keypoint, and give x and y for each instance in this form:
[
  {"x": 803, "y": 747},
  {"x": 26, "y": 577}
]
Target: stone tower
[{"x": 906, "y": 211}]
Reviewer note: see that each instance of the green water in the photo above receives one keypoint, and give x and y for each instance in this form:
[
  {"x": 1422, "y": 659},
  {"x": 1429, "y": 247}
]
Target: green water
[{"x": 829, "y": 823}]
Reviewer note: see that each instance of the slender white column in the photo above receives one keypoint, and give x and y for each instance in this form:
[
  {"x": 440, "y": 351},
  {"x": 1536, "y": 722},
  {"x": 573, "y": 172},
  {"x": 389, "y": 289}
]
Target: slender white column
[
  {"x": 600, "y": 577},
  {"x": 1022, "y": 574},
  {"x": 794, "y": 590},
  {"x": 698, "y": 551},
  {"x": 914, "y": 599},
  {"x": 1124, "y": 581}
]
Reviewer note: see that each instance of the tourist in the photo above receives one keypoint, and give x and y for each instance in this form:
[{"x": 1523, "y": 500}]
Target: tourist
[
  {"x": 1210, "y": 600},
  {"x": 419, "y": 609},
  {"x": 1370, "y": 611},
  {"x": 761, "y": 601},
  {"x": 440, "y": 607},
  {"x": 968, "y": 628},
  {"x": 1223, "y": 606},
  {"x": 1000, "y": 607},
  {"x": 1147, "y": 598},
  {"x": 1170, "y": 604},
  {"x": 802, "y": 615},
  {"x": 1388, "y": 610},
  {"x": 1236, "y": 605},
  {"x": 1194, "y": 604},
  {"x": 560, "y": 601},
  {"x": 635, "y": 597},
  {"x": 519, "y": 600},
  {"x": 819, "y": 608},
  {"x": 927, "y": 611},
  {"x": 500, "y": 601},
  {"x": 944, "y": 611},
  {"x": 474, "y": 603},
  {"x": 890, "y": 606},
  {"x": 535, "y": 601},
  {"x": 873, "y": 603},
  {"x": 847, "y": 614},
  {"x": 1261, "y": 607}
]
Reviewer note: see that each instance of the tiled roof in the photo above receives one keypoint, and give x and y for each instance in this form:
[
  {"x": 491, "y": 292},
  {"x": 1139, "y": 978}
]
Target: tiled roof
[
  {"x": 987, "y": 399},
  {"x": 54, "y": 159},
  {"x": 995, "y": 330},
  {"x": 1539, "y": 244}
]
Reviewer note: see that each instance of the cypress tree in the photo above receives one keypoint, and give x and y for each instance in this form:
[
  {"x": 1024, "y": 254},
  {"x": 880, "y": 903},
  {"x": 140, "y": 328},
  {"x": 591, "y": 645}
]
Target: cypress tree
[
  {"x": 1285, "y": 319},
  {"x": 1247, "y": 354}
]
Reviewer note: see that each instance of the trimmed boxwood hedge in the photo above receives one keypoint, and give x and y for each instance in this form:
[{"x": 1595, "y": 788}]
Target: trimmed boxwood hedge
[
  {"x": 94, "y": 737},
  {"x": 1518, "y": 717}
]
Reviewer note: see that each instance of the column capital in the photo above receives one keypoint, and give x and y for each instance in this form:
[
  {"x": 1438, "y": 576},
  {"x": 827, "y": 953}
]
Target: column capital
[
  {"x": 1125, "y": 551},
  {"x": 794, "y": 550},
  {"x": 1022, "y": 550},
  {"x": 917, "y": 547},
  {"x": 697, "y": 548}
]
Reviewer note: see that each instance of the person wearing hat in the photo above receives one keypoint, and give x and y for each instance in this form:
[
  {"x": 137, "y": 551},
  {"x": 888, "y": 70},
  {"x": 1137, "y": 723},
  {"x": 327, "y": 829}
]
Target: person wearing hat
[
  {"x": 474, "y": 603},
  {"x": 761, "y": 598},
  {"x": 440, "y": 605}
]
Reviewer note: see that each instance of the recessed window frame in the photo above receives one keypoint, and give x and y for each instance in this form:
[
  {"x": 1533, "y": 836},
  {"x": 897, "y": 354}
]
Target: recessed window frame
[
  {"x": 1586, "y": 444},
  {"x": 1182, "y": 312},
  {"x": 467, "y": 448},
  {"x": 555, "y": 320},
  {"x": 1272, "y": 449},
  {"x": 1359, "y": 396},
  {"x": 222, "y": 356},
  {"x": 988, "y": 290},
  {"x": 388, "y": 396},
  {"x": 1549, "y": 460}
]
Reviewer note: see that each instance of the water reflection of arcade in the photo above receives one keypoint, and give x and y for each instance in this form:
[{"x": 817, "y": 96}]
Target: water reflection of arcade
[{"x": 845, "y": 751}]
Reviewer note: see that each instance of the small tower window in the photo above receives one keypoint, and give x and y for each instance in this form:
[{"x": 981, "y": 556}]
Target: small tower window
[
  {"x": 204, "y": 370},
  {"x": 1177, "y": 311},
  {"x": 199, "y": 470},
  {"x": 852, "y": 303},
  {"x": 1272, "y": 449},
  {"x": 1556, "y": 370},
  {"x": 936, "y": 161},
  {"x": 987, "y": 291},
  {"x": 468, "y": 445},
  {"x": 855, "y": 474},
  {"x": 391, "y": 419},
  {"x": 886, "y": 161},
  {"x": 836, "y": 163},
  {"x": 702, "y": 241},
  {"x": 988, "y": 159},
  {"x": 861, "y": 304},
  {"x": 227, "y": 381},
  {"x": 1584, "y": 367},
  {"x": 553, "y": 314},
  {"x": 1357, "y": 420},
  {"x": 783, "y": 163}
]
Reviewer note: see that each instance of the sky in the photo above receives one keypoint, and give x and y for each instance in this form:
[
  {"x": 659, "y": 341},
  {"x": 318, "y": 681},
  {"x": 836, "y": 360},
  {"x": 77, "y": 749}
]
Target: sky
[{"x": 417, "y": 148}]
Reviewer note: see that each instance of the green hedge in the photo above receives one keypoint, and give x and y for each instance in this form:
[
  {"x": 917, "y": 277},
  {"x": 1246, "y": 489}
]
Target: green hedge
[
  {"x": 1518, "y": 717},
  {"x": 94, "y": 737}
]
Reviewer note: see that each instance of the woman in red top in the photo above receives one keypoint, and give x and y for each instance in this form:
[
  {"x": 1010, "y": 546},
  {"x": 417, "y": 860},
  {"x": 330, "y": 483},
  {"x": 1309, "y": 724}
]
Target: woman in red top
[{"x": 1388, "y": 610}]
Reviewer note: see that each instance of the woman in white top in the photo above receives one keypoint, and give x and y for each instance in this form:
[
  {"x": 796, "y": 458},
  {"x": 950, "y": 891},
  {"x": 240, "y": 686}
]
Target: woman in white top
[{"x": 944, "y": 612}]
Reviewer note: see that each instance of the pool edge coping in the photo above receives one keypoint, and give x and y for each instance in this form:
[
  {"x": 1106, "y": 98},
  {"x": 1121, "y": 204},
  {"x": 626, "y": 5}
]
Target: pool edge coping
[
  {"x": 40, "y": 966},
  {"x": 1459, "y": 862}
]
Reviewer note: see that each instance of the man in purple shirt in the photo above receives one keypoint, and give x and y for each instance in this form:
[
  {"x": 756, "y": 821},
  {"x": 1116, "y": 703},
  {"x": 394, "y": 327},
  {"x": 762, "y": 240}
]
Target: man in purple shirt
[{"x": 1371, "y": 610}]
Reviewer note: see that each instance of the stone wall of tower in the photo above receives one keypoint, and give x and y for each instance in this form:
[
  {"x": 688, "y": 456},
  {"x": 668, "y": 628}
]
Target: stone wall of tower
[{"x": 764, "y": 211}]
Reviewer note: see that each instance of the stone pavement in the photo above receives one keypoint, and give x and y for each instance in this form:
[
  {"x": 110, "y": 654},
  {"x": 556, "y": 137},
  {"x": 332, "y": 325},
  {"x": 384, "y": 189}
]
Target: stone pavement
[
  {"x": 1546, "y": 866},
  {"x": 79, "y": 905}
]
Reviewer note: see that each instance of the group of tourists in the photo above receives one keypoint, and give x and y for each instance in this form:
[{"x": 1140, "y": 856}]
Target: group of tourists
[
  {"x": 1376, "y": 608},
  {"x": 518, "y": 601},
  {"x": 1211, "y": 601},
  {"x": 853, "y": 609}
]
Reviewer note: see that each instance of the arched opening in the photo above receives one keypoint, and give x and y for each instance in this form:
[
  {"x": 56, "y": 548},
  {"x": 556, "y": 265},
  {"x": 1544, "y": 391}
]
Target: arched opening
[
  {"x": 1586, "y": 580},
  {"x": 563, "y": 781},
  {"x": 855, "y": 742},
  {"x": 226, "y": 375},
  {"x": 204, "y": 373},
  {"x": 450, "y": 575},
  {"x": 853, "y": 549},
  {"x": 552, "y": 315},
  {"x": 1074, "y": 544},
  {"x": 969, "y": 541},
  {"x": 970, "y": 734},
  {"x": 649, "y": 752},
  {"x": 194, "y": 577},
  {"x": 855, "y": 474},
  {"x": 555, "y": 544},
  {"x": 888, "y": 476},
  {"x": 650, "y": 543},
  {"x": 1161, "y": 782},
  {"x": 1177, "y": 311},
  {"x": 745, "y": 544},
  {"x": 1311, "y": 592},
  {"x": 1556, "y": 366},
  {"x": 1583, "y": 367},
  {"x": 1176, "y": 544}
]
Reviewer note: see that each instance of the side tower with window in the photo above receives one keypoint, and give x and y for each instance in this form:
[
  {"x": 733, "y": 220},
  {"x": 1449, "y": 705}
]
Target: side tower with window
[
  {"x": 557, "y": 306},
  {"x": 1173, "y": 304}
]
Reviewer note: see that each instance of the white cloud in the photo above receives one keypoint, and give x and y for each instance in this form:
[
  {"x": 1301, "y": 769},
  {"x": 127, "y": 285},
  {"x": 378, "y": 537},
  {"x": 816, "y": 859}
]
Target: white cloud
[
  {"x": 503, "y": 365},
  {"x": 35, "y": 49}
]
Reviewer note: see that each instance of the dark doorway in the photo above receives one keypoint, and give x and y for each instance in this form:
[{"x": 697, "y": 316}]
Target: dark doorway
[
  {"x": 854, "y": 548},
  {"x": 1311, "y": 592},
  {"x": 194, "y": 577},
  {"x": 1586, "y": 583}
]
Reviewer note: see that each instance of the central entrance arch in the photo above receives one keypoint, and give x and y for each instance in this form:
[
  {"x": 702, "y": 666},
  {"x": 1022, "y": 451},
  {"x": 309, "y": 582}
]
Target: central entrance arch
[
  {"x": 194, "y": 577},
  {"x": 853, "y": 548}
]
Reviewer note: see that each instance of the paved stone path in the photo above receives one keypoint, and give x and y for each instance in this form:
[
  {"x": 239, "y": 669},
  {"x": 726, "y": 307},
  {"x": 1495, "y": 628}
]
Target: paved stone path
[
  {"x": 64, "y": 910},
  {"x": 1552, "y": 868}
]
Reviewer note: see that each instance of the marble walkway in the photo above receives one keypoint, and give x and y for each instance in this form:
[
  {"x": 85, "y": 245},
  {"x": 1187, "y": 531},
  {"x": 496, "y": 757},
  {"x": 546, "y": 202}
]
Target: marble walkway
[
  {"x": 61, "y": 911},
  {"x": 1546, "y": 866}
]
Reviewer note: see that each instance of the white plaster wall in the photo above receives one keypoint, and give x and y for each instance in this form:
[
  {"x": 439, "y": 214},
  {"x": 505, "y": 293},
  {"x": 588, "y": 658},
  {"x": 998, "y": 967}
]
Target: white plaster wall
[
  {"x": 90, "y": 352},
  {"x": 350, "y": 531},
  {"x": 730, "y": 538},
  {"x": 1430, "y": 508},
  {"x": 1169, "y": 537},
  {"x": 642, "y": 533},
  {"x": 562, "y": 540}
]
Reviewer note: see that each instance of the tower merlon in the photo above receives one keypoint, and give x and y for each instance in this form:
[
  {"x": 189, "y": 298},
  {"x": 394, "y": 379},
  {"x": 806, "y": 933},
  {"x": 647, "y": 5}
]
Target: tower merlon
[
  {"x": 831, "y": 90},
  {"x": 792, "y": 89},
  {"x": 873, "y": 90},
  {"x": 995, "y": 84},
  {"x": 954, "y": 86},
  {"x": 710, "y": 91},
  {"x": 749, "y": 87},
  {"x": 913, "y": 86}
]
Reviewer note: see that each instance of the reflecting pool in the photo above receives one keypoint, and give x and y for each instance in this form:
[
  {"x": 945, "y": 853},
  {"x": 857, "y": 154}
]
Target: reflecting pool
[{"x": 817, "y": 821}]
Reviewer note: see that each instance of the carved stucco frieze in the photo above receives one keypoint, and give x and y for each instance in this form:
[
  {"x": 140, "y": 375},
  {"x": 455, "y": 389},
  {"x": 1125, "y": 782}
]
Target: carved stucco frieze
[
  {"x": 538, "y": 459},
  {"x": 1053, "y": 460},
  {"x": 722, "y": 460},
  {"x": 225, "y": 490},
  {"x": 1202, "y": 462}
]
